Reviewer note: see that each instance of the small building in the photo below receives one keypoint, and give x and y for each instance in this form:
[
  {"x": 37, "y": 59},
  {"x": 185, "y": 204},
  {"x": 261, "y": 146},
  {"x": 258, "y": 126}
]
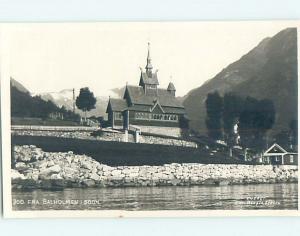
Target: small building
[
  {"x": 277, "y": 155},
  {"x": 56, "y": 116},
  {"x": 152, "y": 109}
]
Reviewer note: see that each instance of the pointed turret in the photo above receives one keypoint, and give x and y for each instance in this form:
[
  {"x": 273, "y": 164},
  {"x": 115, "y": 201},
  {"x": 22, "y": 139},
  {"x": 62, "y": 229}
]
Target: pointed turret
[{"x": 171, "y": 89}]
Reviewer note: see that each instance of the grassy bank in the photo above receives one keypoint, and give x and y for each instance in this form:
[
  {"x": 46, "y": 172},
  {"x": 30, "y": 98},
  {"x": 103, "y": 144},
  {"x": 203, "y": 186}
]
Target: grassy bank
[
  {"x": 130, "y": 154},
  {"x": 39, "y": 121}
]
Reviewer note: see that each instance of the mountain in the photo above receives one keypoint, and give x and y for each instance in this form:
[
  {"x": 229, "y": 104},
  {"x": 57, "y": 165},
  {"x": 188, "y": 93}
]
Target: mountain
[
  {"x": 25, "y": 105},
  {"x": 62, "y": 98},
  {"x": 267, "y": 71},
  {"x": 18, "y": 85},
  {"x": 65, "y": 98}
]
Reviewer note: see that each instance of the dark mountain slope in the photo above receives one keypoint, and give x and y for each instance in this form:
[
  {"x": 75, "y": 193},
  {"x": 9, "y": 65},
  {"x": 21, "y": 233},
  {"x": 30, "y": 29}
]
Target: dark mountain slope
[
  {"x": 18, "y": 85},
  {"x": 278, "y": 78},
  {"x": 267, "y": 71}
]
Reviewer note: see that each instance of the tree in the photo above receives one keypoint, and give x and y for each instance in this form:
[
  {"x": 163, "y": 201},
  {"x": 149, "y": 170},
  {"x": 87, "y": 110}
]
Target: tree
[
  {"x": 283, "y": 138},
  {"x": 256, "y": 118},
  {"x": 294, "y": 132},
  {"x": 214, "y": 109},
  {"x": 85, "y": 101},
  {"x": 232, "y": 105}
]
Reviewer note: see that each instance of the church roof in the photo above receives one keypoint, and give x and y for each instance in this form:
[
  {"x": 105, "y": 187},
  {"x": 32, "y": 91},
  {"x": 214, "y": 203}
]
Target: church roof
[
  {"x": 145, "y": 79},
  {"x": 171, "y": 87},
  {"x": 117, "y": 104},
  {"x": 137, "y": 107},
  {"x": 137, "y": 96}
]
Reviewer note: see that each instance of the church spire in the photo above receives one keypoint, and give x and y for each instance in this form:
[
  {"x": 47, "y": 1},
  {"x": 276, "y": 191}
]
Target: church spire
[{"x": 149, "y": 66}]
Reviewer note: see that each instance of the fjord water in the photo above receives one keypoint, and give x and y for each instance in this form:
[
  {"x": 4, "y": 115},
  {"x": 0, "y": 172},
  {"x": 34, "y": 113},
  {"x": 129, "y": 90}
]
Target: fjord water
[{"x": 236, "y": 197}]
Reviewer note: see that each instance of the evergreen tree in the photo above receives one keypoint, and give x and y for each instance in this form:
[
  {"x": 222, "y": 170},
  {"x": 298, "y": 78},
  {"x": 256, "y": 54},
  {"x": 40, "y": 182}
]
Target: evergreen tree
[
  {"x": 232, "y": 105},
  {"x": 214, "y": 109},
  {"x": 294, "y": 132},
  {"x": 256, "y": 118}
]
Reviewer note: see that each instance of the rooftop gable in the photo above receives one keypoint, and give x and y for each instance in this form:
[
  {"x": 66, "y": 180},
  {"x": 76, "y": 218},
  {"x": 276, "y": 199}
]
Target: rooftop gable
[
  {"x": 157, "y": 107},
  {"x": 116, "y": 105},
  {"x": 275, "y": 149},
  {"x": 145, "y": 79}
]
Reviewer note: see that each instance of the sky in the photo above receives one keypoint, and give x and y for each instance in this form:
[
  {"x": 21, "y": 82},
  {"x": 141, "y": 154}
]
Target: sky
[{"x": 50, "y": 57}]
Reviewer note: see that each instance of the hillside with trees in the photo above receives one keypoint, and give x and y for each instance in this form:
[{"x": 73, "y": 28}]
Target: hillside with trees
[
  {"x": 251, "y": 117},
  {"x": 23, "y": 105},
  {"x": 269, "y": 71}
]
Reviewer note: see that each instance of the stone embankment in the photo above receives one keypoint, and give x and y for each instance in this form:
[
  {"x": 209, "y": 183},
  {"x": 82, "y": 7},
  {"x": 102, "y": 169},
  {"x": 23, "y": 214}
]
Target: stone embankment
[
  {"x": 106, "y": 136},
  {"x": 35, "y": 168}
]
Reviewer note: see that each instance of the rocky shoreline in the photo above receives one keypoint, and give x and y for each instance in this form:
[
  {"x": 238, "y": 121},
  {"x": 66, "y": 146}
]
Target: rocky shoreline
[{"x": 34, "y": 168}]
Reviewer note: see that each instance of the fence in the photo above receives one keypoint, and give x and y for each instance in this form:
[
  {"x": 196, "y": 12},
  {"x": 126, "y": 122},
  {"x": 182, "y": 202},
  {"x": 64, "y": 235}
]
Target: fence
[{"x": 53, "y": 128}]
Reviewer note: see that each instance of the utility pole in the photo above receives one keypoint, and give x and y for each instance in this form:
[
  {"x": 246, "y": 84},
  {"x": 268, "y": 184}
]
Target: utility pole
[{"x": 73, "y": 100}]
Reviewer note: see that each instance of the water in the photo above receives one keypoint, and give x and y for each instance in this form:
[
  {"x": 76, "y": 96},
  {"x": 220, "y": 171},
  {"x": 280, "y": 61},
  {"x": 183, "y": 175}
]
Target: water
[{"x": 238, "y": 197}]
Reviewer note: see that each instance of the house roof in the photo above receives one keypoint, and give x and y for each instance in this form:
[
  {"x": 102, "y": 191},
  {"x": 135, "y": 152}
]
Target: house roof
[
  {"x": 275, "y": 149},
  {"x": 165, "y": 98},
  {"x": 117, "y": 104}
]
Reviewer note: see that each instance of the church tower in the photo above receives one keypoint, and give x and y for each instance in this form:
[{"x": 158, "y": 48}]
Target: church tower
[{"x": 148, "y": 79}]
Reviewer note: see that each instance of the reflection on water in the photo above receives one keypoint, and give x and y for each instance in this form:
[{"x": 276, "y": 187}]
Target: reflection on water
[{"x": 237, "y": 197}]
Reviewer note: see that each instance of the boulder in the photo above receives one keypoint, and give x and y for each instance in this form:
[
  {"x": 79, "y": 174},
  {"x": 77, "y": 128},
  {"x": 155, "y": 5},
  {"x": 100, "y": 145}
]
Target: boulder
[
  {"x": 56, "y": 176},
  {"x": 116, "y": 173},
  {"x": 46, "y": 173},
  {"x": 106, "y": 168},
  {"x": 133, "y": 174},
  {"x": 54, "y": 169},
  {"x": 87, "y": 165},
  {"x": 23, "y": 157},
  {"x": 95, "y": 176},
  {"x": 32, "y": 175},
  {"x": 21, "y": 166},
  {"x": 37, "y": 154},
  {"x": 50, "y": 163},
  {"x": 88, "y": 183},
  {"x": 41, "y": 164},
  {"x": 16, "y": 175}
]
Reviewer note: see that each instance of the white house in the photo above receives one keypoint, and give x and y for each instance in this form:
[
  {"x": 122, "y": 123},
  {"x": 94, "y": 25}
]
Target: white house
[{"x": 277, "y": 155}]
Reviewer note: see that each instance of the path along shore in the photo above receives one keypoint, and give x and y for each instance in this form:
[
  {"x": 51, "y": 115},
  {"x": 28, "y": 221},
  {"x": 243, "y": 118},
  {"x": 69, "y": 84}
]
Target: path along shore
[{"x": 35, "y": 168}]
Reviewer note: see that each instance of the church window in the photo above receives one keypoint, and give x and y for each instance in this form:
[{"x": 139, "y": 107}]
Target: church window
[
  {"x": 141, "y": 116},
  {"x": 118, "y": 116}
]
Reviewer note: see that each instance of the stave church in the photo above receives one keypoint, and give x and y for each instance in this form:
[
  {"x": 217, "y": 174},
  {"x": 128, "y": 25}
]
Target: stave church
[{"x": 147, "y": 107}]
